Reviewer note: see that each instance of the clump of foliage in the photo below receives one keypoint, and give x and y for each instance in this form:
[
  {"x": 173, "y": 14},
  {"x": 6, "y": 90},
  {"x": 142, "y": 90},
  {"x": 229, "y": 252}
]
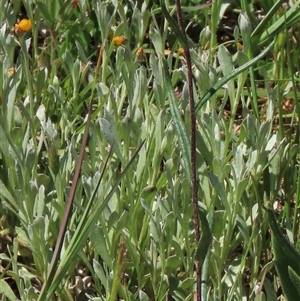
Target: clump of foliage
[{"x": 95, "y": 185}]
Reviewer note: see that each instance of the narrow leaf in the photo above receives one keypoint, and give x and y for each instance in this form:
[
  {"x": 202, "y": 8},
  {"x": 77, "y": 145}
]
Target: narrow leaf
[
  {"x": 183, "y": 138},
  {"x": 7, "y": 291},
  {"x": 286, "y": 259},
  {"x": 205, "y": 239}
]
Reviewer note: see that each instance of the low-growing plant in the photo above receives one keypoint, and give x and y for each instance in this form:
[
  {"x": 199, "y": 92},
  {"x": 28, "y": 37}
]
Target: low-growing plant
[{"x": 97, "y": 155}]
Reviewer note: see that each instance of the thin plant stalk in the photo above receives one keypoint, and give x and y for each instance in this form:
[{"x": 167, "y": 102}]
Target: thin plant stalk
[{"x": 194, "y": 185}]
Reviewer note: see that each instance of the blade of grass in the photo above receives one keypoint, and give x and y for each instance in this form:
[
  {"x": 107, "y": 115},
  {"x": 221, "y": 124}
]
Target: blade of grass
[
  {"x": 180, "y": 36},
  {"x": 64, "y": 223},
  {"x": 59, "y": 242},
  {"x": 85, "y": 228},
  {"x": 286, "y": 259},
  {"x": 285, "y": 20},
  {"x": 236, "y": 72},
  {"x": 263, "y": 23}
]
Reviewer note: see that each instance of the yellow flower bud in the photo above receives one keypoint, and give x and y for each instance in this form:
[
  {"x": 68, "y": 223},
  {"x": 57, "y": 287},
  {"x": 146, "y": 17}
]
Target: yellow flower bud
[
  {"x": 140, "y": 52},
  {"x": 240, "y": 46},
  {"x": 23, "y": 26},
  {"x": 119, "y": 40},
  {"x": 181, "y": 51}
]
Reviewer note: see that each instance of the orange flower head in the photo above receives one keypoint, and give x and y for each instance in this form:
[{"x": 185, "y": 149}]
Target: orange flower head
[
  {"x": 140, "y": 52},
  {"x": 181, "y": 51},
  {"x": 119, "y": 40},
  {"x": 23, "y": 26}
]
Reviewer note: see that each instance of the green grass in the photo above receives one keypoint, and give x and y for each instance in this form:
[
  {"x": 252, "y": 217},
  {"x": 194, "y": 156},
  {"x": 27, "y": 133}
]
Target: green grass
[{"x": 130, "y": 235}]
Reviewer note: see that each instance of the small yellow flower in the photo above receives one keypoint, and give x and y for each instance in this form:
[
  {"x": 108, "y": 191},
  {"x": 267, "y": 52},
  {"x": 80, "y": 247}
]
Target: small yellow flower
[
  {"x": 240, "y": 46},
  {"x": 119, "y": 40},
  {"x": 181, "y": 51},
  {"x": 140, "y": 52},
  {"x": 23, "y": 26}
]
